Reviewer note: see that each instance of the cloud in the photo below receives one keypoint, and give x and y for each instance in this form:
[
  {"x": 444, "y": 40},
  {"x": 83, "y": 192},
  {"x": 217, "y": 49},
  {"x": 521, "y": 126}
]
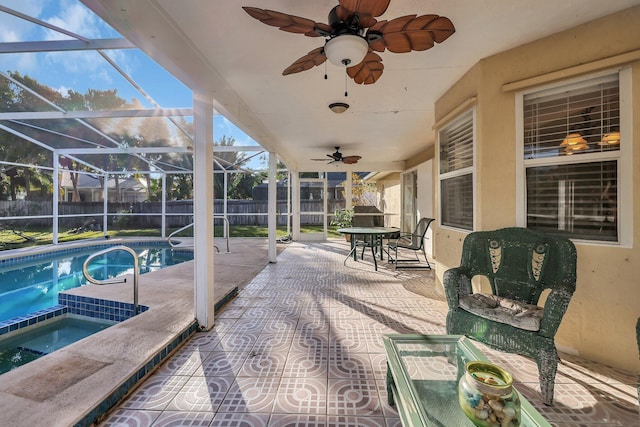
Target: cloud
[
  {"x": 77, "y": 19},
  {"x": 16, "y": 29},
  {"x": 64, "y": 91}
]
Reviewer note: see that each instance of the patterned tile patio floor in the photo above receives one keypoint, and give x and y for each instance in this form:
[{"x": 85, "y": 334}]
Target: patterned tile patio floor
[{"x": 301, "y": 346}]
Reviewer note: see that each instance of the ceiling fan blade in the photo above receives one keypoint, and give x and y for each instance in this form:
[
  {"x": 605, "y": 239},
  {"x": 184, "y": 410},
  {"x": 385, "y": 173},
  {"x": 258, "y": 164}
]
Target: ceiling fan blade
[
  {"x": 411, "y": 32},
  {"x": 289, "y": 23},
  {"x": 351, "y": 160},
  {"x": 310, "y": 60},
  {"x": 366, "y": 10},
  {"x": 368, "y": 71}
]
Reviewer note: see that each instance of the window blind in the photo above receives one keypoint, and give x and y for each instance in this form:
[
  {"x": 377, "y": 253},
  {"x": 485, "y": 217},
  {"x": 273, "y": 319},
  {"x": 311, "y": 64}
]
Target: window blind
[
  {"x": 591, "y": 109},
  {"x": 456, "y": 145},
  {"x": 578, "y": 200},
  {"x": 456, "y": 195},
  {"x": 456, "y": 173}
]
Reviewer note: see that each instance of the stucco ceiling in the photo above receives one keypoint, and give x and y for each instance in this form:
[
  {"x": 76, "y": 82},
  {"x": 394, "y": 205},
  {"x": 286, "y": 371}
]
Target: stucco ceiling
[{"x": 217, "y": 49}]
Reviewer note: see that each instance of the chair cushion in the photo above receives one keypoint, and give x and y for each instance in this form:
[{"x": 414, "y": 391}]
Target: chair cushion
[{"x": 503, "y": 310}]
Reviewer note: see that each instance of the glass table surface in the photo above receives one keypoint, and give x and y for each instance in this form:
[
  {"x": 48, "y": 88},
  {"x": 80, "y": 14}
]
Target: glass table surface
[{"x": 422, "y": 380}]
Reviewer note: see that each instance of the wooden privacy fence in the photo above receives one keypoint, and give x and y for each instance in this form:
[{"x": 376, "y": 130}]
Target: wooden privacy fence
[{"x": 149, "y": 214}]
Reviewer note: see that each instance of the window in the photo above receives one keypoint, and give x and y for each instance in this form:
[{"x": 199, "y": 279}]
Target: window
[
  {"x": 409, "y": 201},
  {"x": 456, "y": 155},
  {"x": 571, "y": 143}
]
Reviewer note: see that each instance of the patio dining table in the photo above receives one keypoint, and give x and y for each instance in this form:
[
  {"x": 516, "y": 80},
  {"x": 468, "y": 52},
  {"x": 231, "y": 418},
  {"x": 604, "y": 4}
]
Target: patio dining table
[{"x": 372, "y": 237}]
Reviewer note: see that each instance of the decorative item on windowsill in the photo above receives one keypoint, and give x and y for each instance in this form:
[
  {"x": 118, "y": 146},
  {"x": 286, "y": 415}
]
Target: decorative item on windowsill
[{"x": 487, "y": 397}]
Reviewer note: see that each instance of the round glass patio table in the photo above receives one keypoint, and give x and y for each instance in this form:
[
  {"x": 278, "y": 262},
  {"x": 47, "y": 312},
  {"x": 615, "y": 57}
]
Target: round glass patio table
[{"x": 372, "y": 237}]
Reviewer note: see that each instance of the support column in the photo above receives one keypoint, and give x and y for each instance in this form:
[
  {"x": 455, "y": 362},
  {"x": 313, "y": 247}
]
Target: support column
[
  {"x": 348, "y": 191},
  {"x": 272, "y": 206},
  {"x": 295, "y": 198},
  {"x": 203, "y": 210},
  {"x": 105, "y": 205},
  {"x": 164, "y": 205},
  {"x": 56, "y": 191}
]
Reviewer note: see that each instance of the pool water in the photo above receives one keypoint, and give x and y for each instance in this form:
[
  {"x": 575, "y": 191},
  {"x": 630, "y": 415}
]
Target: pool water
[
  {"x": 24, "y": 347},
  {"x": 29, "y": 287}
]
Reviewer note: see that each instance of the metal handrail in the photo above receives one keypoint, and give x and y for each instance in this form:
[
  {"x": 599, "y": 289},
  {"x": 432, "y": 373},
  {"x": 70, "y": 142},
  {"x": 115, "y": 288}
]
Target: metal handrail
[
  {"x": 91, "y": 279},
  {"x": 226, "y": 232},
  {"x": 176, "y": 232}
]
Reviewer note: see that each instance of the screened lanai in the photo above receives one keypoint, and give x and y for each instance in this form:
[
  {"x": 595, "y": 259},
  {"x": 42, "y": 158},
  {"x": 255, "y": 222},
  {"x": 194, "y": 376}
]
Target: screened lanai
[
  {"x": 97, "y": 140},
  {"x": 90, "y": 140}
]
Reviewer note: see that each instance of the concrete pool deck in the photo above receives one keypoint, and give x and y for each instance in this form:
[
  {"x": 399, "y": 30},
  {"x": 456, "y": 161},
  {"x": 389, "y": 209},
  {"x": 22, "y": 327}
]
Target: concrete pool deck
[{"x": 64, "y": 387}]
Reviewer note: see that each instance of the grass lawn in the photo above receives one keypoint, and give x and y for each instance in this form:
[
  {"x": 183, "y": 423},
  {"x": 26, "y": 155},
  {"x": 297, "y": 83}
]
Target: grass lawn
[{"x": 10, "y": 239}]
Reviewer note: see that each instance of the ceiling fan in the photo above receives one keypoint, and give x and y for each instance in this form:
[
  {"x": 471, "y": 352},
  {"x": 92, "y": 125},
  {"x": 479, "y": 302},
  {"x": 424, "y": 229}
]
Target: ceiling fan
[
  {"x": 353, "y": 35},
  {"x": 338, "y": 157}
]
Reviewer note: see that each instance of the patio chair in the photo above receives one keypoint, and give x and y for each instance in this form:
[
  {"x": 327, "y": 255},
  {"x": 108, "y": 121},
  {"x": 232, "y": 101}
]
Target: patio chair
[
  {"x": 410, "y": 242},
  {"x": 519, "y": 264}
]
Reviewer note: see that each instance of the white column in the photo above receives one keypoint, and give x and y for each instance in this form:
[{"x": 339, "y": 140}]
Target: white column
[
  {"x": 164, "y": 205},
  {"x": 56, "y": 191},
  {"x": 272, "y": 206},
  {"x": 105, "y": 205},
  {"x": 203, "y": 210},
  {"x": 295, "y": 198},
  {"x": 348, "y": 191},
  {"x": 225, "y": 205}
]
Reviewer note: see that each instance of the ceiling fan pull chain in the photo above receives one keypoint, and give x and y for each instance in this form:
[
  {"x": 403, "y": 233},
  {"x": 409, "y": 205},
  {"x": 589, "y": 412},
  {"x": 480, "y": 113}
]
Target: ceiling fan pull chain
[
  {"x": 325, "y": 70},
  {"x": 345, "y": 84}
]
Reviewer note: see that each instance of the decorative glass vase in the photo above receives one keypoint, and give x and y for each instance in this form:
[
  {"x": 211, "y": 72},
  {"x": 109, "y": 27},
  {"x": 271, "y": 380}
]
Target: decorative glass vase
[{"x": 487, "y": 397}]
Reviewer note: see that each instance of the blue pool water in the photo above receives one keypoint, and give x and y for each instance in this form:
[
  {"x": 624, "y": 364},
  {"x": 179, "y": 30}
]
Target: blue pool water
[
  {"x": 34, "y": 285},
  {"x": 34, "y": 343}
]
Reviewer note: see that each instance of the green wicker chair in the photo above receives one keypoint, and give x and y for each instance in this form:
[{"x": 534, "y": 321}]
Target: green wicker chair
[
  {"x": 638, "y": 339},
  {"x": 519, "y": 264}
]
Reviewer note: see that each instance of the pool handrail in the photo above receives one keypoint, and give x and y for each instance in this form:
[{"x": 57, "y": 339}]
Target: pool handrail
[
  {"x": 87, "y": 275},
  {"x": 181, "y": 229}
]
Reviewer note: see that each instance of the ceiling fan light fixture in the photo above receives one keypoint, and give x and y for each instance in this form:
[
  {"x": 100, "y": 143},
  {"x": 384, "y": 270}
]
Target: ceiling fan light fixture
[
  {"x": 339, "y": 107},
  {"x": 573, "y": 139},
  {"x": 611, "y": 138},
  {"x": 346, "y": 50}
]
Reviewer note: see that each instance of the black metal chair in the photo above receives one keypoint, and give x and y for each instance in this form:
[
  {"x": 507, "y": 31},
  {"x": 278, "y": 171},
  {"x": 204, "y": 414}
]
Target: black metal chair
[{"x": 411, "y": 242}]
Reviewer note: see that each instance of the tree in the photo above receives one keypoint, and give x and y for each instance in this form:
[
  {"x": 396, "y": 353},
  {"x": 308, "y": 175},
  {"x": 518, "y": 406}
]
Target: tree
[
  {"x": 240, "y": 184},
  {"x": 362, "y": 193}
]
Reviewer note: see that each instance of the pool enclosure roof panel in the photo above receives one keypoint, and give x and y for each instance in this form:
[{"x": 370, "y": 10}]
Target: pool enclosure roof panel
[{"x": 144, "y": 56}]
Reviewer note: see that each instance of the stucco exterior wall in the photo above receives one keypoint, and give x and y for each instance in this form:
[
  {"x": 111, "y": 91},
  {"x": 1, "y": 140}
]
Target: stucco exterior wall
[
  {"x": 389, "y": 198},
  {"x": 600, "y": 322}
]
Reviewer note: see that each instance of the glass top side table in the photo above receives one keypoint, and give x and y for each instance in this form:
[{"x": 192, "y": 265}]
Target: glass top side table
[{"x": 422, "y": 380}]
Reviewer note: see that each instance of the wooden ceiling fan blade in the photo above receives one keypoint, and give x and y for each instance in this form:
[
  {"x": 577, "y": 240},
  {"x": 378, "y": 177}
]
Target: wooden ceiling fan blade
[
  {"x": 310, "y": 60},
  {"x": 411, "y": 32},
  {"x": 289, "y": 23},
  {"x": 351, "y": 160},
  {"x": 370, "y": 8},
  {"x": 368, "y": 71}
]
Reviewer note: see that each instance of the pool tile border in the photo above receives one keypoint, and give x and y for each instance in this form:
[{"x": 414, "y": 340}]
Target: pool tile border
[
  {"x": 97, "y": 308},
  {"x": 44, "y": 254},
  {"x": 112, "y": 399},
  {"x": 16, "y": 323},
  {"x": 115, "y": 311}
]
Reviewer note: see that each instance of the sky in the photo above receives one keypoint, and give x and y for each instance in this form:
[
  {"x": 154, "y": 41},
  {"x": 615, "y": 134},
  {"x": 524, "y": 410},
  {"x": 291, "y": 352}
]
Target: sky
[{"x": 83, "y": 70}]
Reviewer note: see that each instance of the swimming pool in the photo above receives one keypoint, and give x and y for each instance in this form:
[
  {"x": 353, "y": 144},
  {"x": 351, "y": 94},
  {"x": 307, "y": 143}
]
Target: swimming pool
[
  {"x": 32, "y": 283},
  {"x": 35, "y": 342}
]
